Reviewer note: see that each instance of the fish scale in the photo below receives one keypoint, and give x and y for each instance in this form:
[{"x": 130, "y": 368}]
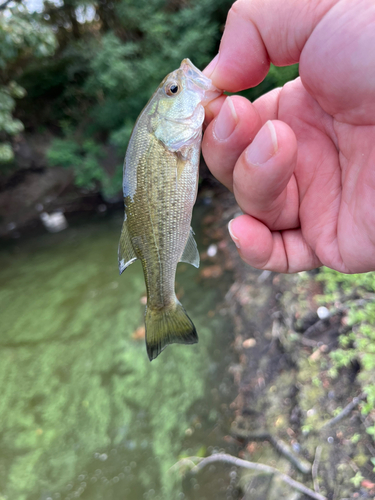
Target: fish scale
[{"x": 160, "y": 186}]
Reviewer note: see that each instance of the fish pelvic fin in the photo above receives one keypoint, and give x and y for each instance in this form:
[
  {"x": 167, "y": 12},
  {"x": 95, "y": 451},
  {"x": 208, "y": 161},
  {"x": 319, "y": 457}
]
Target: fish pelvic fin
[
  {"x": 191, "y": 254},
  {"x": 126, "y": 254},
  {"x": 168, "y": 326}
]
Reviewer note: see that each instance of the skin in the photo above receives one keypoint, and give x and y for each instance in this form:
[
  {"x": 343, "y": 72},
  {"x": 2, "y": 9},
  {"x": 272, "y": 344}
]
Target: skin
[{"x": 300, "y": 160}]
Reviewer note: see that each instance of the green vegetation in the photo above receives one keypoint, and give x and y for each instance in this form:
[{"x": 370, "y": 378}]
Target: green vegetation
[
  {"x": 355, "y": 296},
  {"x": 22, "y": 37},
  {"x": 336, "y": 361},
  {"x": 91, "y": 91},
  {"x": 277, "y": 77},
  {"x": 108, "y": 61}
]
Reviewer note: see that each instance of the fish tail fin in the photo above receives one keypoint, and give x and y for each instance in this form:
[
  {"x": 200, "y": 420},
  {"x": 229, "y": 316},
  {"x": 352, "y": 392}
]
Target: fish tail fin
[{"x": 168, "y": 326}]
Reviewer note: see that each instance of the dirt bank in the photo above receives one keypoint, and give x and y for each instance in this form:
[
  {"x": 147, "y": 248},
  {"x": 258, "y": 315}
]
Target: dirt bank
[
  {"x": 290, "y": 412},
  {"x": 31, "y": 187}
]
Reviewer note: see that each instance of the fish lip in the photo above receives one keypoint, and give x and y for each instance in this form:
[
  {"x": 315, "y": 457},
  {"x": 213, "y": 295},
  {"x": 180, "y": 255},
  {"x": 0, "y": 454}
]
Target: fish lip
[
  {"x": 208, "y": 91},
  {"x": 210, "y": 95}
]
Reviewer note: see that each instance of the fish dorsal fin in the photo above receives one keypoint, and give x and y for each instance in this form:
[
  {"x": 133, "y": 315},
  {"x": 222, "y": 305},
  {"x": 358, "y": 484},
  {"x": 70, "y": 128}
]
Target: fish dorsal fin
[
  {"x": 126, "y": 254},
  {"x": 191, "y": 254}
]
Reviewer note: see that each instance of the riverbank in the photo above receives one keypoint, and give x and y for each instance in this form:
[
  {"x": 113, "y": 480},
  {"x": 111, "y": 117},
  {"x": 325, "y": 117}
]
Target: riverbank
[{"x": 303, "y": 404}]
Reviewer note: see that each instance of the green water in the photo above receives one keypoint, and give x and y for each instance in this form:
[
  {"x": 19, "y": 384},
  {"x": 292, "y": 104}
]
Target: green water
[{"x": 83, "y": 413}]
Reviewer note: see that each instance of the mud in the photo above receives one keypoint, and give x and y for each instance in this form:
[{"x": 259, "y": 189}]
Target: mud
[{"x": 286, "y": 400}]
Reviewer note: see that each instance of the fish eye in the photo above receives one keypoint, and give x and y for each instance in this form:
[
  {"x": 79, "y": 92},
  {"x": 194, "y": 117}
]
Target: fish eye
[{"x": 172, "y": 89}]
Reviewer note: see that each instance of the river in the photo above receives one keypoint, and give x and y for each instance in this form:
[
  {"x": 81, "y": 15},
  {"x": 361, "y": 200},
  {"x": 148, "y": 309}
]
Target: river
[{"x": 83, "y": 412}]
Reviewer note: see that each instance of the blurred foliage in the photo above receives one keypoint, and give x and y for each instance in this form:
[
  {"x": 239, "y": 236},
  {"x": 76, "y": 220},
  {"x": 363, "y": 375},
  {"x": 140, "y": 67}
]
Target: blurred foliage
[
  {"x": 277, "y": 77},
  {"x": 22, "y": 36},
  {"x": 111, "y": 57},
  {"x": 356, "y": 293},
  {"x": 105, "y": 71}
]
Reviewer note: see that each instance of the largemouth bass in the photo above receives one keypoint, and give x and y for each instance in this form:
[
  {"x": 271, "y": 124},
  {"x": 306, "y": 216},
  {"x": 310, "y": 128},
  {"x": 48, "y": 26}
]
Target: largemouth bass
[{"x": 160, "y": 188}]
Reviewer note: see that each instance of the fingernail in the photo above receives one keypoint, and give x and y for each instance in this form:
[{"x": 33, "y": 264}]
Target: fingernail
[
  {"x": 226, "y": 120},
  {"x": 208, "y": 70},
  {"x": 232, "y": 235},
  {"x": 264, "y": 146}
]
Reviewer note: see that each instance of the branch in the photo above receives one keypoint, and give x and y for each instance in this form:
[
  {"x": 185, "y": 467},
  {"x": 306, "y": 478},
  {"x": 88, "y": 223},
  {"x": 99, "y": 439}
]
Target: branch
[
  {"x": 345, "y": 412},
  {"x": 315, "y": 466},
  {"x": 4, "y": 5},
  {"x": 279, "y": 445},
  {"x": 222, "y": 457},
  {"x": 321, "y": 324}
]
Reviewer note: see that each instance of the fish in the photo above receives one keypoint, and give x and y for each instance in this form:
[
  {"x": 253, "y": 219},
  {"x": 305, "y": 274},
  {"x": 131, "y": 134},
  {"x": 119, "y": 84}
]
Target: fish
[{"x": 160, "y": 183}]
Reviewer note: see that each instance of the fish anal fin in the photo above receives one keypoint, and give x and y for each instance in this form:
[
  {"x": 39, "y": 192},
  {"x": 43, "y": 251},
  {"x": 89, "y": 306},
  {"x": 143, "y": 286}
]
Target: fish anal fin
[
  {"x": 126, "y": 254},
  {"x": 191, "y": 254}
]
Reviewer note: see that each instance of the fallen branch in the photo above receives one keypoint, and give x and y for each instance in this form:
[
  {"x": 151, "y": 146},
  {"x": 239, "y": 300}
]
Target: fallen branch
[
  {"x": 4, "y": 5},
  {"x": 279, "y": 445},
  {"x": 345, "y": 412},
  {"x": 315, "y": 466},
  {"x": 222, "y": 457},
  {"x": 321, "y": 324}
]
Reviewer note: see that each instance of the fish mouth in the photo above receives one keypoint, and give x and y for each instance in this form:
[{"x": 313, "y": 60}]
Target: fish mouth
[{"x": 197, "y": 81}]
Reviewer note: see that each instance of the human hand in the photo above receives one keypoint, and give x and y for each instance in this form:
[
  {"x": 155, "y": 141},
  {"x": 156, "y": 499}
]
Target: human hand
[{"x": 300, "y": 159}]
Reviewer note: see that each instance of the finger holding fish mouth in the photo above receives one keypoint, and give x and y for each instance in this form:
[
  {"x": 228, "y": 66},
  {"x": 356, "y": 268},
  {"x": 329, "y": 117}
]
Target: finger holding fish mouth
[
  {"x": 255, "y": 160},
  {"x": 255, "y": 157}
]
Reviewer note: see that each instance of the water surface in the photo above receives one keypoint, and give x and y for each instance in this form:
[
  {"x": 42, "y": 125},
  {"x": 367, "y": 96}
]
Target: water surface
[{"x": 83, "y": 412}]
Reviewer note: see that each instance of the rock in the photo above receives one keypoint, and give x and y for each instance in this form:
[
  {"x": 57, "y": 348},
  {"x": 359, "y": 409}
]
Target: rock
[
  {"x": 212, "y": 272},
  {"x": 54, "y": 222},
  {"x": 212, "y": 250},
  {"x": 139, "y": 333},
  {"x": 246, "y": 344}
]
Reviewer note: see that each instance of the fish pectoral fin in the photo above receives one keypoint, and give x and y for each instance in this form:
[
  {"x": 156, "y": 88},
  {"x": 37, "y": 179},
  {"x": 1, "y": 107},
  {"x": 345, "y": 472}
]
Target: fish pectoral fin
[
  {"x": 181, "y": 162},
  {"x": 191, "y": 254},
  {"x": 126, "y": 254}
]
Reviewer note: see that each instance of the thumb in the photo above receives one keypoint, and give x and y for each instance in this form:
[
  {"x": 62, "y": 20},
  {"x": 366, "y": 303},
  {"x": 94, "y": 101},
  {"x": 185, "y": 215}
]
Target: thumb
[{"x": 260, "y": 31}]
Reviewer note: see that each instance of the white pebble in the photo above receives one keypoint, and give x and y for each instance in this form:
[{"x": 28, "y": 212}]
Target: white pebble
[
  {"x": 322, "y": 312},
  {"x": 212, "y": 250}
]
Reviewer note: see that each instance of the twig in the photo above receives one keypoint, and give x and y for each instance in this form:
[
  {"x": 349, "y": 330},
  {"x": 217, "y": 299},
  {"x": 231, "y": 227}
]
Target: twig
[
  {"x": 315, "y": 466},
  {"x": 4, "y": 5},
  {"x": 187, "y": 462},
  {"x": 345, "y": 412},
  {"x": 320, "y": 325},
  {"x": 223, "y": 457},
  {"x": 309, "y": 342},
  {"x": 368, "y": 445},
  {"x": 278, "y": 444}
]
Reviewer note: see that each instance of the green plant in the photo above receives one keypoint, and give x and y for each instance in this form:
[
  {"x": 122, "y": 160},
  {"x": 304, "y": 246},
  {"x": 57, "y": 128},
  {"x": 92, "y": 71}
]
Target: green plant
[
  {"x": 22, "y": 35},
  {"x": 355, "y": 295},
  {"x": 357, "y": 479}
]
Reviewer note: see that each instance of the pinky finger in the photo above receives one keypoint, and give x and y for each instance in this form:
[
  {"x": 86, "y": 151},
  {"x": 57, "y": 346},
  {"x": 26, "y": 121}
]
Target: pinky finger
[{"x": 279, "y": 251}]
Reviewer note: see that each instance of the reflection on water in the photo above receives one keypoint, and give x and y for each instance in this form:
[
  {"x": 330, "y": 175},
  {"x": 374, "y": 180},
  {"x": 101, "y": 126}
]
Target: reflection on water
[{"x": 83, "y": 412}]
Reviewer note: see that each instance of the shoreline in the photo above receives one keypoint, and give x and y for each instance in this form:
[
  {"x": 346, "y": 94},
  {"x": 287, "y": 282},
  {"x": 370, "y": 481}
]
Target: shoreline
[{"x": 290, "y": 413}]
